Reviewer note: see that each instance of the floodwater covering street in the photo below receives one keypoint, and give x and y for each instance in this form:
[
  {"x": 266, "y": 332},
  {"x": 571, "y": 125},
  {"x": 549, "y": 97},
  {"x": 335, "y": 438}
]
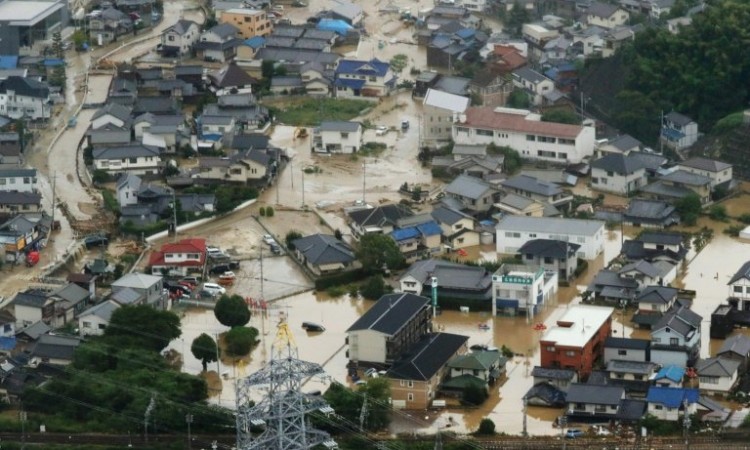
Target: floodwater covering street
[{"x": 281, "y": 277}]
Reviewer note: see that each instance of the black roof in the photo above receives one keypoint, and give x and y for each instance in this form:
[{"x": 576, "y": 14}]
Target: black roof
[
  {"x": 657, "y": 294},
  {"x": 548, "y": 393},
  {"x": 387, "y": 214},
  {"x": 634, "y": 250},
  {"x": 33, "y": 297},
  {"x": 246, "y": 141},
  {"x": 391, "y": 313},
  {"x": 549, "y": 248},
  {"x": 628, "y": 343},
  {"x": 743, "y": 272},
  {"x": 618, "y": 163},
  {"x": 681, "y": 320},
  {"x": 552, "y": 373},
  {"x": 55, "y": 347},
  {"x": 26, "y": 87},
  {"x": 631, "y": 410},
  {"x": 324, "y": 249},
  {"x": 665, "y": 238},
  {"x": 427, "y": 356},
  {"x": 595, "y": 394}
]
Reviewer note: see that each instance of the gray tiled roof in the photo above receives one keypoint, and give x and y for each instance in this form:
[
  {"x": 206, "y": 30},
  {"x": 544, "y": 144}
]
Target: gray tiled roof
[
  {"x": 637, "y": 367},
  {"x": 341, "y": 125},
  {"x": 743, "y": 272},
  {"x": 685, "y": 177},
  {"x": 657, "y": 294},
  {"x": 717, "y": 367},
  {"x": 128, "y": 151},
  {"x": 102, "y": 310},
  {"x": 625, "y": 142},
  {"x": 17, "y": 173},
  {"x": 469, "y": 187},
  {"x": 649, "y": 209},
  {"x": 594, "y": 394},
  {"x": 709, "y": 165},
  {"x": 20, "y": 198},
  {"x": 627, "y": 343},
  {"x": 603, "y": 10},
  {"x": 641, "y": 266},
  {"x": 427, "y": 357},
  {"x": 548, "y": 248},
  {"x": 618, "y": 163},
  {"x": 448, "y": 216},
  {"x": 738, "y": 344},
  {"x": 529, "y": 74},
  {"x": 552, "y": 373},
  {"x": 551, "y": 225},
  {"x": 324, "y": 249},
  {"x": 678, "y": 119},
  {"x": 680, "y": 320},
  {"x": 530, "y": 184},
  {"x": 451, "y": 275}
]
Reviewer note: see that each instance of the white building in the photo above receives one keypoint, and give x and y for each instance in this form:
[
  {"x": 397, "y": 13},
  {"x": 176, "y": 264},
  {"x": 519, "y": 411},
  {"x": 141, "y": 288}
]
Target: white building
[
  {"x": 606, "y": 15},
  {"x": 355, "y": 78},
  {"x": 618, "y": 173},
  {"x": 533, "y": 83},
  {"x": 22, "y": 97},
  {"x": 666, "y": 403},
  {"x": 440, "y": 111},
  {"x": 717, "y": 375},
  {"x": 679, "y": 131},
  {"x": 526, "y": 133},
  {"x": 337, "y": 137},
  {"x": 94, "y": 320},
  {"x": 739, "y": 287},
  {"x": 521, "y": 287},
  {"x": 18, "y": 180},
  {"x": 719, "y": 172},
  {"x": 178, "y": 39},
  {"x": 514, "y": 231},
  {"x": 127, "y": 187},
  {"x": 136, "y": 159}
]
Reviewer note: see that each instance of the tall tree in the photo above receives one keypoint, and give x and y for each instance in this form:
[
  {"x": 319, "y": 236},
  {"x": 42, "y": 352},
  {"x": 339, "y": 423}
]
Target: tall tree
[
  {"x": 57, "y": 45},
  {"x": 143, "y": 326},
  {"x": 378, "y": 250},
  {"x": 232, "y": 311},
  {"x": 204, "y": 348}
]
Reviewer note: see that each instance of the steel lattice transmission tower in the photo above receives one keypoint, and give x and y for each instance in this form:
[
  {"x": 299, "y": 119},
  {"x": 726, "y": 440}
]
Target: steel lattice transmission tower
[{"x": 282, "y": 411}]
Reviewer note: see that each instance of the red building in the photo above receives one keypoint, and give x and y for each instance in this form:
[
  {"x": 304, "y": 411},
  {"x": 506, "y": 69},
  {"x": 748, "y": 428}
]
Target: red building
[
  {"x": 179, "y": 258},
  {"x": 576, "y": 341}
]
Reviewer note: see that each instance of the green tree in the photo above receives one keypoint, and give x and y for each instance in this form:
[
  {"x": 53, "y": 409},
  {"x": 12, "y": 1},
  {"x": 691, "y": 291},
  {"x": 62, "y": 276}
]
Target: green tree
[
  {"x": 378, "y": 250},
  {"x": 240, "y": 340},
  {"x": 518, "y": 99},
  {"x": 57, "y": 45},
  {"x": 205, "y": 349},
  {"x": 718, "y": 213},
  {"x": 78, "y": 38},
  {"x": 292, "y": 236},
  {"x": 398, "y": 62},
  {"x": 348, "y": 403},
  {"x": 486, "y": 427},
  {"x": 561, "y": 116},
  {"x": 689, "y": 208},
  {"x": 143, "y": 326},
  {"x": 232, "y": 311},
  {"x": 637, "y": 114},
  {"x": 416, "y": 193},
  {"x": 512, "y": 161},
  {"x": 515, "y": 19},
  {"x": 269, "y": 211},
  {"x": 374, "y": 288},
  {"x": 474, "y": 394}
]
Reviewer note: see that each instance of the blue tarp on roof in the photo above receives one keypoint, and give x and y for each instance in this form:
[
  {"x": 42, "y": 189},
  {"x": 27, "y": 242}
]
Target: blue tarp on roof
[
  {"x": 351, "y": 84},
  {"x": 256, "y": 42},
  {"x": 7, "y": 343},
  {"x": 465, "y": 33},
  {"x": 336, "y": 25},
  {"x": 211, "y": 137},
  {"x": 672, "y": 134},
  {"x": 53, "y": 62},
  {"x": 373, "y": 67},
  {"x": 405, "y": 233},
  {"x": 8, "y": 62},
  {"x": 672, "y": 373},
  {"x": 671, "y": 397},
  {"x": 429, "y": 229}
]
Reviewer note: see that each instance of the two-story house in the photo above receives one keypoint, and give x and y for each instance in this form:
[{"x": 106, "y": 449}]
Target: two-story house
[
  {"x": 440, "y": 111},
  {"x": 656, "y": 246},
  {"x": 739, "y": 288},
  {"x": 94, "y": 320},
  {"x": 653, "y": 303},
  {"x": 717, "y": 375},
  {"x": 650, "y": 214},
  {"x": 576, "y": 341},
  {"x": 179, "y": 258},
  {"x": 514, "y": 231},
  {"x": 391, "y": 326},
  {"x": 355, "y": 78},
  {"x": 538, "y": 190},
  {"x": 31, "y": 306},
  {"x": 669, "y": 404},
  {"x": 594, "y": 402},
  {"x": 136, "y": 159},
  {"x": 18, "y": 180},
  {"x": 518, "y": 287},
  {"x": 108, "y": 25},
  {"x": 618, "y": 173},
  {"x": 249, "y": 22},
  {"x": 676, "y": 338},
  {"x": 416, "y": 376},
  {"x": 24, "y": 97},
  {"x": 324, "y": 254},
  {"x": 457, "y": 227},
  {"x": 474, "y": 194},
  {"x": 249, "y": 166},
  {"x": 679, "y": 131},
  {"x": 533, "y": 83},
  {"x": 552, "y": 255},
  {"x": 337, "y": 137},
  {"x": 418, "y": 240},
  {"x": 70, "y": 301},
  {"x": 149, "y": 288},
  {"x": 378, "y": 220},
  {"x": 626, "y": 349},
  {"x": 178, "y": 39},
  {"x": 218, "y": 44},
  {"x": 719, "y": 172},
  {"x": 606, "y": 15},
  {"x": 737, "y": 348},
  {"x": 679, "y": 184},
  {"x": 454, "y": 280}
]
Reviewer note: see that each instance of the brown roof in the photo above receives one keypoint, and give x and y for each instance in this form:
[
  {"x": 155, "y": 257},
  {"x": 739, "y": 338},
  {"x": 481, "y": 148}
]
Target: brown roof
[
  {"x": 487, "y": 118},
  {"x": 509, "y": 56}
]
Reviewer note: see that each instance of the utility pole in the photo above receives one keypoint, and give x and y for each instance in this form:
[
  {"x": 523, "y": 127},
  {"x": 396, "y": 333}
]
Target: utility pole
[
  {"x": 291, "y": 173},
  {"x": 23, "y": 416},
  {"x": 303, "y": 186},
  {"x": 525, "y": 413},
  {"x": 189, "y": 420},
  {"x": 174, "y": 214},
  {"x": 686, "y": 424},
  {"x": 261, "y": 271},
  {"x": 218, "y": 369},
  {"x": 563, "y": 421},
  {"x": 363, "y": 415},
  {"x": 364, "y": 180},
  {"x": 54, "y": 185},
  {"x": 147, "y": 416}
]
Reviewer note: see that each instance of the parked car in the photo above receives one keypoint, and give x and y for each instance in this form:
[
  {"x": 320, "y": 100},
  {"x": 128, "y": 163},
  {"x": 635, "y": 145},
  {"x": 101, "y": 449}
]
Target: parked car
[
  {"x": 268, "y": 239},
  {"x": 381, "y": 130},
  {"x": 177, "y": 288},
  {"x": 96, "y": 241},
  {"x": 191, "y": 280},
  {"x": 218, "y": 269},
  {"x": 404, "y": 124},
  {"x": 276, "y": 249},
  {"x": 573, "y": 433},
  {"x": 215, "y": 288},
  {"x": 310, "y": 326}
]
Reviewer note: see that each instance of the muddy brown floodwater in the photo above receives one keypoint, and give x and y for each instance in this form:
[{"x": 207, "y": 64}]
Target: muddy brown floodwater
[{"x": 337, "y": 314}]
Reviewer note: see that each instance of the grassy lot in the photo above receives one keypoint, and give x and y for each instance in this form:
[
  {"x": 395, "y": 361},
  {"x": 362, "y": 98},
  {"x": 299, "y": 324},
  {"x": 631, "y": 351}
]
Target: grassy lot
[{"x": 311, "y": 111}]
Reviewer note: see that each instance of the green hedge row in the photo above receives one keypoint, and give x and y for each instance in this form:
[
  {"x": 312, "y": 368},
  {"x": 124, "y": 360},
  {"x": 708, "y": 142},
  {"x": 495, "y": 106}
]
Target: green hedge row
[{"x": 339, "y": 279}]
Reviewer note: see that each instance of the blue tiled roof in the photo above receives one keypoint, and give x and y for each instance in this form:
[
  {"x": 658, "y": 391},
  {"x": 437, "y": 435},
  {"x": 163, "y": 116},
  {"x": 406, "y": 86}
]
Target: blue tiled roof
[
  {"x": 8, "y": 61},
  {"x": 255, "y": 42},
  {"x": 373, "y": 67},
  {"x": 7, "y": 343},
  {"x": 672, "y": 134},
  {"x": 465, "y": 33},
  {"x": 405, "y": 233},
  {"x": 53, "y": 62},
  {"x": 351, "y": 84},
  {"x": 429, "y": 229},
  {"x": 671, "y": 397},
  {"x": 672, "y": 373}
]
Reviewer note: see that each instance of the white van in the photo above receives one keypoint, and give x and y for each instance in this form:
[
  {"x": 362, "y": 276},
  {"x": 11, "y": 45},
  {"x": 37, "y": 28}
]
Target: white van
[{"x": 214, "y": 288}]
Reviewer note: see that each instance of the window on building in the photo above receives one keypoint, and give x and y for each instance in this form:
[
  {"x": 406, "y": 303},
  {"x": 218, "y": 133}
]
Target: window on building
[
  {"x": 658, "y": 407},
  {"x": 622, "y": 352},
  {"x": 562, "y": 155},
  {"x": 511, "y": 234},
  {"x": 545, "y": 154},
  {"x": 132, "y": 160},
  {"x": 529, "y": 256},
  {"x": 344, "y": 135},
  {"x": 737, "y": 289},
  {"x": 550, "y": 348},
  {"x": 530, "y": 137},
  {"x": 484, "y": 132},
  {"x": 570, "y": 353},
  {"x": 410, "y": 397},
  {"x": 86, "y": 324},
  {"x": 26, "y": 180},
  {"x": 402, "y": 383},
  {"x": 674, "y": 341},
  {"x": 410, "y": 383}
]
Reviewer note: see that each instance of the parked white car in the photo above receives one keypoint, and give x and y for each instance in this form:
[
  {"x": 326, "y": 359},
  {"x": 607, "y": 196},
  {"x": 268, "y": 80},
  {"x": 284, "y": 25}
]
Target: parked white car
[
  {"x": 268, "y": 239},
  {"x": 381, "y": 130},
  {"x": 214, "y": 288}
]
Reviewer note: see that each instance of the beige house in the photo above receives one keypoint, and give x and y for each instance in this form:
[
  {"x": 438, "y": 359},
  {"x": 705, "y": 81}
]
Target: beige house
[
  {"x": 518, "y": 205},
  {"x": 249, "y": 22},
  {"x": 415, "y": 378},
  {"x": 606, "y": 15},
  {"x": 457, "y": 227},
  {"x": 251, "y": 165}
]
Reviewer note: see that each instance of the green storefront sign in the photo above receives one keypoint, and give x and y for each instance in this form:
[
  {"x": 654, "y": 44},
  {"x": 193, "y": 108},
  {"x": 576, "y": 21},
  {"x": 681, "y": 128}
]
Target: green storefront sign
[{"x": 517, "y": 280}]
